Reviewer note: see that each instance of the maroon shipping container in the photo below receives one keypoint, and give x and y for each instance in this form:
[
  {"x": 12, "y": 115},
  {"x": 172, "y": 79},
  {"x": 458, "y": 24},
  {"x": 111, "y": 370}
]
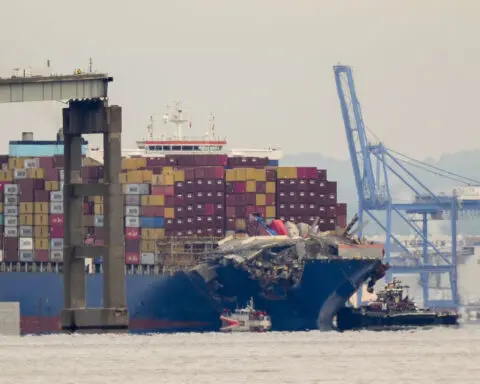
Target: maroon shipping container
[
  {"x": 132, "y": 257},
  {"x": 331, "y": 187},
  {"x": 29, "y": 185},
  {"x": 132, "y": 245},
  {"x": 58, "y": 161},
  {"x": 45, "y": 162},
  {"x": 42, "y": 256},
  {"x": 342, "y": 221},
  {"x": 26, "y": 196},
  {"x": 262, "y": 210},
  {"x": 152, "y": 211},
  {"x": 271, "y": 174},
  {"x": 179, "y": 186},
  {"x": 169, "y": 201},
  {"x": 132, "y": 233},
  {"x": 169, "y": 224},
  {"x": 56, "y": 220},
  {"x": 41, "y": 196},
  {"x": 181, "y": 211},
  {"x": 57, "y": 231},
  {"x": 249, "y": 209},
  {"x": 230, "y": 223},
  {"x": 52, "y": 174},
  {"x": 307, "y": 173},
  {"x": 156, "y": 162},
  {"x": 261, "y": 187},
  {"x": 99, "y": 242},
  {"x": 230, "y": 211},
  {"x": 162, "y": 190},
  {"x": 270, "y": 199},
  {"x": 99, "y": 232},
  {"x": 322, "y": 174},
  {"x": 10, "y": 245},
  {"x": 179, "y": 199}
]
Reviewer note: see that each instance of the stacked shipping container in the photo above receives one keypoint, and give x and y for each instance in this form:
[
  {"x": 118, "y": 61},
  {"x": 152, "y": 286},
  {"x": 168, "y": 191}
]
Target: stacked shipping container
[{"x": 168, "y": 196}]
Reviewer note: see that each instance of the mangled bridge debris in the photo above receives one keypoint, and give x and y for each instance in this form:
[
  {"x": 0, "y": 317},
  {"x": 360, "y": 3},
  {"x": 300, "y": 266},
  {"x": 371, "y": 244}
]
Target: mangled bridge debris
[{"x": 302, "y": 269}]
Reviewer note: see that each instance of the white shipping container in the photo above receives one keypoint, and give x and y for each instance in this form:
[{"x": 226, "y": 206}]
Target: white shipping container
[
  {"x": 1, "y": 254},
  {"x": 147, "y": 258},
  {"x": 56, "y": 208},
  {"x": 26, "y": 231},
  {"x": 56, "y": 244},
  {"x": 56, "y": 255},
  {"x": 11, "y": 199},
  {"x": 98, "y": 221},
  {"x": 132, "y": 199},
  {"x": 137, "y": 189},
  {"x": 56, "y": 196},
  {"x": 62, "y": 173},
  {"x": 10, "y": 231},
  {"x": 468, "y": 193},
  {"x": 19, "y": 174},
  {"x": 31, "y": 163},
  {"x": 132, "y": 222},
  {"x": 11, "y": 221},
  {"x": 132, "y": 210},
  {"x": 26, "y": 256},
  {"x": 25, "y": 243},
  {"x": 10, "y": 210},
  {"x": 10, "y": 189},
  {"x": 61, "y": 185}
]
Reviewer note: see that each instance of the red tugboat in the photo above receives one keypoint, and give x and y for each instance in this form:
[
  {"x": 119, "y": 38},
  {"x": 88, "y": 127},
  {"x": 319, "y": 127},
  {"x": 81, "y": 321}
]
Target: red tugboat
[
  {"x": 245, "y": 320},
  {"x": 392, "y": 310}
]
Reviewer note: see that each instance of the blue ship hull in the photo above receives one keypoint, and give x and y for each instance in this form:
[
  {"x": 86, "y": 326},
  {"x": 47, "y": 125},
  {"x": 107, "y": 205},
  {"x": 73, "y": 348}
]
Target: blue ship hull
[{"x": 186, "y": 303}]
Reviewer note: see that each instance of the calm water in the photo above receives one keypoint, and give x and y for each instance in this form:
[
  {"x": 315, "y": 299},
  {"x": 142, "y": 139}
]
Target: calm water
[{"x": 426, "y": 356}]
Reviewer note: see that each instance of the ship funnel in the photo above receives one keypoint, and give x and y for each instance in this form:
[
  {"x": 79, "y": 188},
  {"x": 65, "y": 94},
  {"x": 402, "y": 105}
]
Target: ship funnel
[{"x": 27, "y": 136}]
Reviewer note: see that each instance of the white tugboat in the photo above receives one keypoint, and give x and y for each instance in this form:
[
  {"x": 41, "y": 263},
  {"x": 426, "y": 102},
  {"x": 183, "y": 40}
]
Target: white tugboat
[{"x": 245, "y": 320}]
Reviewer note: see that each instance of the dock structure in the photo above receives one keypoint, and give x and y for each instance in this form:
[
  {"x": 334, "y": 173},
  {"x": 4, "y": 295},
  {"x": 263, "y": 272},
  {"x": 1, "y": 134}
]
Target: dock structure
[{"x": 88, "y": 112}]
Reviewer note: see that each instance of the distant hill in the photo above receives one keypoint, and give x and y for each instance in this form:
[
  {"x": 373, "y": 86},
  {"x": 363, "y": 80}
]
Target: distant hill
[{"x": 465, "y": 163}]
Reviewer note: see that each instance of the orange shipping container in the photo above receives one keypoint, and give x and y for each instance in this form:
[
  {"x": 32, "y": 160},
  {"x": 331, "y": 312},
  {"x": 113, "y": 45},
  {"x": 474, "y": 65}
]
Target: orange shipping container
[
  {"x": 169, "y": 213},
  {"x": 42, "y": 231},
  {"x": 250, "y": 174},
  {"x": 230, "y": 175},
  {"x": 179, "y": 175},
  {"x": 270, "y": 212},
  {"x": 270, "y": 187}
]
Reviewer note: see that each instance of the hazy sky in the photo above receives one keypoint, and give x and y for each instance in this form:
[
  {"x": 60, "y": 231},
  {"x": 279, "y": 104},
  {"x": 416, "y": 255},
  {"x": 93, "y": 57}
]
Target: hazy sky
[{"x": 263, "y": 67}]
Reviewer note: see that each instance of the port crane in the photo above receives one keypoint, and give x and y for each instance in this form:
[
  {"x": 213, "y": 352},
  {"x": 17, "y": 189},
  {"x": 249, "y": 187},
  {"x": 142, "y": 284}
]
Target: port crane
[{"x": 375, "y": 167}]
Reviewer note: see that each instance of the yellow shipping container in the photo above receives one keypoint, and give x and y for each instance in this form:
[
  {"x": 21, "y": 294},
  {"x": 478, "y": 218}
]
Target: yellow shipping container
[
  {"x": 36, "y": 173},
  {"x": 286, "y": 172},
  {"x": 26, "y": 219},
  {"x": 40, "y": 219},
  {"x": 251, "y": 186},
  {"x": 167, "y": 179},
  {"x": 153, "y": 233},
  {"x": 133, "y": 163},
  {"x": 1, "y": 207},
  {"x": 270, "y": 212},
  {"x": 179, "y": 175},
  {"x": 15, "y": 162},
  {"x": 52, "y": 186},
  {"x": 169, "y": 213},
  {"x": 98, "y": 199},
  {"x": 134, "y": 177},
  {"x": 156, "y": 180},
  {"x": 167, "y": 170},
  {"x": 240, "y": 224},
  {"x": 260, "y": 175},
  {"x": 41, "y": 208},
  {"x": 98, "y": 209},
  {"x": 241, "y": 174},
  {"x": 148, "y": 245},
  {"x": 123, "y": 178},
  {"x": 158, "y": 200},
  {"x": 250, "y": 173},
  {"x": 42, "y": 244},
  {"x": 41, "y": 231},
  {"x": 230, "y": 175},
  {"x": 260, "y": 199},
  {"x": 26, "y": 208},
  {"x": 147, "y": 176},
  {"x": 270, "y": 187},
  {"x": 6, "y": 175}
]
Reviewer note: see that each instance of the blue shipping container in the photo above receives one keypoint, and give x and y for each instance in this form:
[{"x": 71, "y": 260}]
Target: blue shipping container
[
  {"x": 1, "y": 219},
  {"x": 273, "y": 163},
  {"x": 152, "y": 222}
]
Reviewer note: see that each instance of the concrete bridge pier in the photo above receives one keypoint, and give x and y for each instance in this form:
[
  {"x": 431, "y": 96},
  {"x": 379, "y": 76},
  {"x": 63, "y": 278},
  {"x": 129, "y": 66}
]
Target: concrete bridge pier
[{"x": 87, "y": 117}]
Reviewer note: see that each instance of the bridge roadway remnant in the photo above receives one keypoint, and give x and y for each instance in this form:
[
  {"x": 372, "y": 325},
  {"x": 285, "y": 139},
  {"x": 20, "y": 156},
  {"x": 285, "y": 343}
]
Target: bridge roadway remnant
[{"x": 88, "y": 112}]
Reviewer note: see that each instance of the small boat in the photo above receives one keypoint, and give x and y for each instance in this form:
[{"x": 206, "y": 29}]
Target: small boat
[
  {"x": 391, "y": 311},
  {"x": 245, "y": 320}
]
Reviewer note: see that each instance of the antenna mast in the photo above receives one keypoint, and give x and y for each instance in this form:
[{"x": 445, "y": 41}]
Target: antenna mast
[
  {"x": 212, "y": 125},
  {"x": 174, "y": 116}
]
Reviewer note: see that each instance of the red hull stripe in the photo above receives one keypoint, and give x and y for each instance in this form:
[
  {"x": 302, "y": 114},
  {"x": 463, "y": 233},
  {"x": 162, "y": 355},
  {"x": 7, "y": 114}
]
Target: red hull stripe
[
  {"x": 220, "y": 142},
  {"x": 43, "y": 324}
]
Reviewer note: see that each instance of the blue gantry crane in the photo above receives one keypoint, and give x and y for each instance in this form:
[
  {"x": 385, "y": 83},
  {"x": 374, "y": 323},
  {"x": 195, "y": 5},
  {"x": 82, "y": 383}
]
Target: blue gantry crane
[{"x": 375, "y": 167}]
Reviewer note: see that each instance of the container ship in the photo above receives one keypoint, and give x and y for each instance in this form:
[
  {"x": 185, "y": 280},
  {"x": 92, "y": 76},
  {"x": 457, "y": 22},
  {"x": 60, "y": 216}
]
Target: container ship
[{"x": 182, "y": 196}]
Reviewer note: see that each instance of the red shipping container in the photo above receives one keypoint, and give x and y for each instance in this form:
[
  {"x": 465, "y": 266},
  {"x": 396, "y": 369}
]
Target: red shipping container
[
  {"x": 89, "y": 240},
  {"x": 341, "y": 208},
  {"x": 152, "y": 211},
  {"x": 240, "y": 187},
  {"x": 57, "y": 231},
  {"x": 132, "y": 233},
  {"x": 42, "y": 256},
  {"x": 169, "y": 201},
  {"x": 230, "y": 211},
  {"x": 342, "y": 221},
  {"x": 261, "y": 210},
  {"x": 249, "y": 199},
  {"x": 99, "y": 242},
  {"x": 132, "y": 258},
  {"x": 45, "y": 162},
  {"x": 249, "y": 209},
  {"x": 56, "y": 220},
  {"x": 306, "y": 172}
]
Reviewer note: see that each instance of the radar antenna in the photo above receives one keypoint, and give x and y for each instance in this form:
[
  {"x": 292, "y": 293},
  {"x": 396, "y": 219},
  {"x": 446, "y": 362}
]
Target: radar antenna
[{"x": 174, "y": 115}]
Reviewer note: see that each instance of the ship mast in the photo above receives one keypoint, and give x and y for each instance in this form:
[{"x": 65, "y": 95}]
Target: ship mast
[{"x": 174, "y": 115}]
